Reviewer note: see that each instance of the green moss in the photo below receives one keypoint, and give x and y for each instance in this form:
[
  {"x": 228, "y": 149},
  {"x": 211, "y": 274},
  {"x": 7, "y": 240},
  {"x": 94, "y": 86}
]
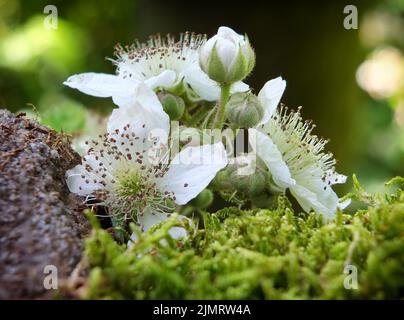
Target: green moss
[{"x": 259, "y": 254}]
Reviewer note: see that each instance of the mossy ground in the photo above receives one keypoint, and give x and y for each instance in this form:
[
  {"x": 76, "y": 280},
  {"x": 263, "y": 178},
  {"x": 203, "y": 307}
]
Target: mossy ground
[{"x": 258, "y": 254}]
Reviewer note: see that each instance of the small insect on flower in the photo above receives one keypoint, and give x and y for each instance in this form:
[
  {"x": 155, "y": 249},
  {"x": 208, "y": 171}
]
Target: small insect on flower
[
  {"x": 129, "y": 169},
  {"x": 161, "y": 62}
]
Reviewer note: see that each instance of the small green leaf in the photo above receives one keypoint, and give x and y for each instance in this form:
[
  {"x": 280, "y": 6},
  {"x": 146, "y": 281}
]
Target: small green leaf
[{"x": 396, "y": 181}]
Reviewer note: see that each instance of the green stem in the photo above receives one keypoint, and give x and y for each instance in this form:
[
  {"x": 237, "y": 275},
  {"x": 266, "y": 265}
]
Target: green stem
[
  {"x": 221, "y": 112},
  {"x": 197, "y": 116}
]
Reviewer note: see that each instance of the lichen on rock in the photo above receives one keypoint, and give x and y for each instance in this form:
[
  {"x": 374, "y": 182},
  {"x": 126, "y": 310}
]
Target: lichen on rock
[{"x": 39, "y": 223}]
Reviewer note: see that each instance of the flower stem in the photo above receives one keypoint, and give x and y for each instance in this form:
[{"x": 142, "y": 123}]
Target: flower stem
[
  {"x": 195, "y": 118},
  {"x": 221, "y": 112}
]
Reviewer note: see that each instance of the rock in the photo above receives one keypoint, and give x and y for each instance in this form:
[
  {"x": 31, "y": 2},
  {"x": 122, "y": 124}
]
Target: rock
[{"x": 40, "y": 222}]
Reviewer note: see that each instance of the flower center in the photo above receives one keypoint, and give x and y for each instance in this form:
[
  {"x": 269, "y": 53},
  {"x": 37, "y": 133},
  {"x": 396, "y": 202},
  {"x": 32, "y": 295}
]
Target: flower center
[
  {"x": 144, "y": 60},
  {"x": 130, "y": 185},
  {"x": 130, "y": 181},
  {"x": 301, "y": 150},
  {"x": 134, "y": 192}
]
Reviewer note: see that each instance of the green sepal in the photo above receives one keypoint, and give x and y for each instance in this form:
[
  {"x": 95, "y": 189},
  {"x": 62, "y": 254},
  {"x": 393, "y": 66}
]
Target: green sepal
[
  {"x": 215, "y": 68},
  {"x": 239, "y": 69},
  {"x": 251, "y": 55},
  {"x": 173, "y": 105},
  {"x": 203, "y": 200},
  {"x": 244, "y": 110}
]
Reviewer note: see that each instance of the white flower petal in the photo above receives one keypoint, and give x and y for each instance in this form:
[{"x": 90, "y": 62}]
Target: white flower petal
[
  {"x": 192, "y": 170},
  {"x": 227, "y": 51},
  {"x": 131, "y": 242},
  {"x": 342, "y": 205},
  {"x": 178, "y": 232},
  {"x": 269, "y": 153},
  {"x": 148, "y": 220},
  {"x": 207, "y": 48},
  {"x": 229, "y": 33},
  {"x": 146, "y": 98},
  {"x": 338, "y": 178},
  {"x": 145, "y": 115},
  {"x": 246, "y": 163},
  {"x": 239, "y": 87},
  {"x": 205, "y": 87},
  {"x": 121, "y": 90},
  {"x": 270, "y": 95},
  {"x": 308, "y": 200},
  {"x": 227, "y": 44},
  {"x": 165, "y": 79},
  {"x": 321, "y": 201},
  {"x": 201, "y": 84},
  {"x": 77, "y": 184},
  {"x": 101, "y": 84}
]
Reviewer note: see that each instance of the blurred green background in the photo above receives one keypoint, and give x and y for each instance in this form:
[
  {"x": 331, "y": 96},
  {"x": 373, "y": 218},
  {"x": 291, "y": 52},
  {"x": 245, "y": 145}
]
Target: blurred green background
[{"x": 350, "y": 82}]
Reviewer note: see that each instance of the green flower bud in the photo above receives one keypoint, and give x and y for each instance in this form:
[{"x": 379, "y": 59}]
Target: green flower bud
[
  {"x": 173, "y": 105},
  {"x": 203, "y": 200},
  {"x": 244, "y": 110},
  {"x": 222, "y": 179},
  {"x": 264, "y": 200},
  {"x": 227, "y": 57},
  {"x": 273, "y": 188},
  {"x": 252, "y": 184}
]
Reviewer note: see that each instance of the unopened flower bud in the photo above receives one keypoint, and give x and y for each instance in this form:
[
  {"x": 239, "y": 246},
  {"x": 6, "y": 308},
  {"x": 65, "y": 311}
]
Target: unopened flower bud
[
  {"x": 173, "y": 105},
  {"x": 272, "y": 187},
  {"x": 244, "y": 110},
  {"x": 221, "y": 181},
  {"x": 227, "y": 57},
  {"x": 264, "y": 200},
  {"x": 203, "y": 200},
  {"x": 252, "y": 184}
]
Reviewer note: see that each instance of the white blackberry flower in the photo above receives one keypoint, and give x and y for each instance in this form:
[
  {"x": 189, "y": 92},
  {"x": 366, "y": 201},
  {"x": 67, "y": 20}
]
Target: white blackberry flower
[
  {"x": 296, "y": 160},
  {"x": 161, "y": 62},
  {"x": 129, "y": 171}
]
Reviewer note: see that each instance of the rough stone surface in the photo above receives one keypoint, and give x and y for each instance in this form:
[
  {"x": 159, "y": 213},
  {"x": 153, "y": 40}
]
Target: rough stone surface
[{"x": 40, "y": 223}]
